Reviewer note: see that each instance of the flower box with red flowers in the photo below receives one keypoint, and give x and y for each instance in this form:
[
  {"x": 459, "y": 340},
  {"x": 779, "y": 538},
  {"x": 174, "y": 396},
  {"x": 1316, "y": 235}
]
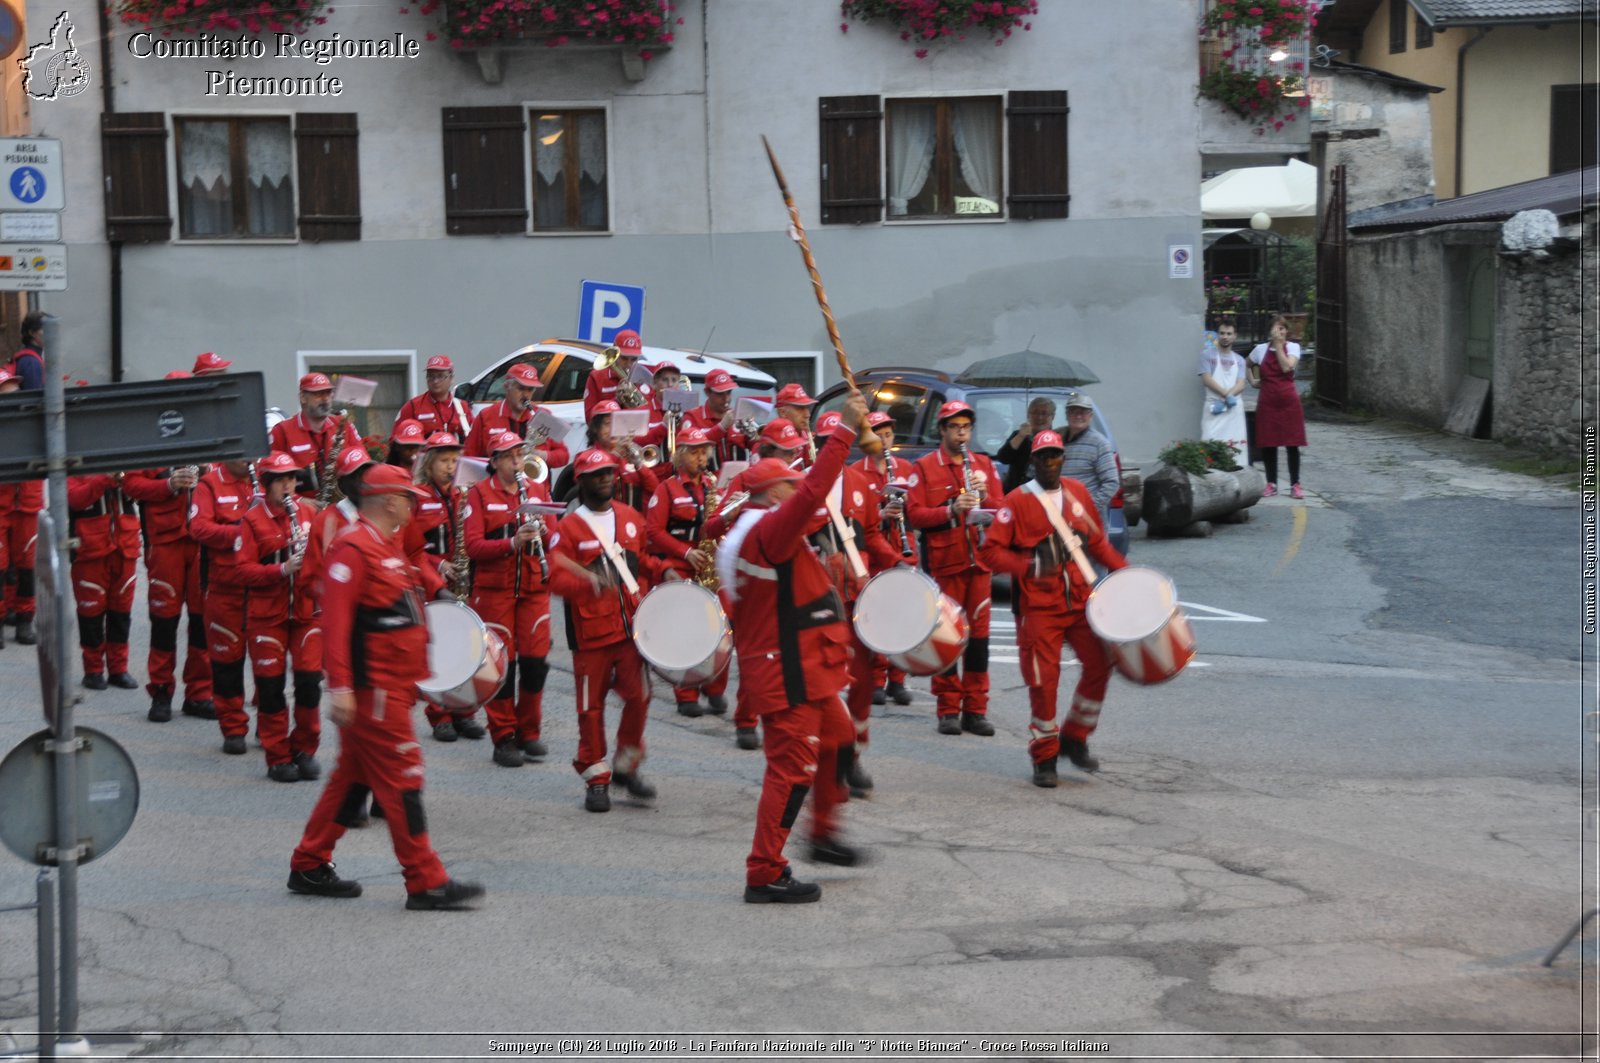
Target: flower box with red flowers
[
  {"x": 1253, "y": 58},
  {"x": 169, "y": 17},
  {"x": 931, "y": 22}
]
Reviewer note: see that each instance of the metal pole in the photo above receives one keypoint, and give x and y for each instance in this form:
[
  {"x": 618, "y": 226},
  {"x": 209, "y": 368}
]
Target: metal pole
[
  {"x": 47, "y": 965},
  {"x": 66, "y": 754}
]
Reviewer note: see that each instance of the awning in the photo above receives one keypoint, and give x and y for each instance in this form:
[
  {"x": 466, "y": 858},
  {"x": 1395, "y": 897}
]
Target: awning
[{"x": 1288, "y": 191}]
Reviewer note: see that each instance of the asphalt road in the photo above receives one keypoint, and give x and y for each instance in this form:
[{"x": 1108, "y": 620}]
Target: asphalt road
[{"x": 1351, "y": 828}]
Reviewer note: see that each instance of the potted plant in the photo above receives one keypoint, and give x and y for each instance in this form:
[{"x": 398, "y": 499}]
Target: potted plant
[
  {"x": 1199, "y": 481},
  {"x": 1248, "y": 65},
  {"x": 552, "y": 23},
  {"x": 925, "y": 22},
  {"x": 169, "y": 17}
]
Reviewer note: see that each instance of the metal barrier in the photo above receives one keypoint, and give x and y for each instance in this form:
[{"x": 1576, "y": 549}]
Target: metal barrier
[{"x": 45, "y": 904}]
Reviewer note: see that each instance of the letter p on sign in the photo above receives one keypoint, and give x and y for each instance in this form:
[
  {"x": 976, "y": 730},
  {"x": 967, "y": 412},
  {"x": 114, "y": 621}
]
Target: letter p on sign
[{"x": 605, "y": 309}]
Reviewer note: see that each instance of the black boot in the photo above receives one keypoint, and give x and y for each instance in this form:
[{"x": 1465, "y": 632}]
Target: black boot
[
  {"x": 857, "y": 779},
  {"x": 716, "y": 704},
  {"x": 25, "y": 632},
  {"x": 975, "y": 723},
  {"x": 784, "y": 891},
  {"x": 160, "y": 707},
  {"x": 1077, "y": 751},
  {"x": 634, "y": 784},
  {"x": 598, "y": 797},
  {"x": 898, "y": 693},
  {"x": 1044, "y": 774}
]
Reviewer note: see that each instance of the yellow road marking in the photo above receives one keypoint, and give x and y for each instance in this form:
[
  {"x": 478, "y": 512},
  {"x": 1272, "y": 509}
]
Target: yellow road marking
[{"x": 1295, "y": 536}]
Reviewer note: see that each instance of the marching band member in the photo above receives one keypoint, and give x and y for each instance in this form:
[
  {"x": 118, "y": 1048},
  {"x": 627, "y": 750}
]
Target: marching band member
[
  {"x": 430, "y": 538},
  {"x": 513, "y": 413},
  {"x": 437, "y": 409},
  {"x": 937, "y": 503},
  {"x": 209, "y": 364},
  {"x": 22, "y": 502},
  {"x": 104, "y": 572},
  {"x": 716, "y": 417},
  {"x": 407, "y": 438},
  {"x": 880, "y": 470},
  {"x": 665, "y": 377},
  {"x": 1028, "y": 544},
  {"x": 313, "y": 437},
  {"x": 510, "y": 591},
  {"x": 795, "y": 406},
  {"x": 598, "y": 565},
  {"x": 794, "y": 653},
  {"x": 343, "y": 514},
  {"x": 220, "y": 501},
  {"x": 281, "y": 621},
  {"x": 602, "y": 384},
  {"x": 674, "y": 529},
  {"x": 377, "y": 649}
]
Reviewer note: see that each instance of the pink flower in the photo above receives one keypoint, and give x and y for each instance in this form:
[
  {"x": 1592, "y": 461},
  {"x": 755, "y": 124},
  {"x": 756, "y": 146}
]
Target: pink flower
[{"x": 921, "y": 53}]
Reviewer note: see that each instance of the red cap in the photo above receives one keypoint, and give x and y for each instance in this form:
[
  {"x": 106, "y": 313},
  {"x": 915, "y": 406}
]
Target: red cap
[
  {"x": 443, "y": 440},
  {"x": 409, "y": 433},
  {"x": 210, "y": 362},
  {"x": 441, "y": 362},
  {"x": 695, "y": 437},
  {"x": 6, "y": 374},
  {"x": 594, "y": 460},
  {"x": 316, "y": 382},
  {"x": 781, "y": 434},
  {"x": 768, "y": 471},
  {"x": 828, "y": 422},
  {"x": 178, "y": 374},
  {"x": 352, "y": 459},
  {"x": 390, "y": 480},
  {"x": 953, "y": 409},
  {"x": 504, "y": 441},
  {"x": 877, "y": 419},
  {"x": 720, "y": 380},
  {"x": 627, "y": 341},
  {"x": 662, "y": 366},
  {"x": 794, "y": 395},
  {"x": 276, "y": 464},
  {"x": 604, "y": 406},
  {"x": 1047, "y": 440},
  {"x": 524, "y": 374}
]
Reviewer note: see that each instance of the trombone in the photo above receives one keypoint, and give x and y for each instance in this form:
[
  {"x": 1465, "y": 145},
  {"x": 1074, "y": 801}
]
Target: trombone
[{"x": 628, "y": 394}]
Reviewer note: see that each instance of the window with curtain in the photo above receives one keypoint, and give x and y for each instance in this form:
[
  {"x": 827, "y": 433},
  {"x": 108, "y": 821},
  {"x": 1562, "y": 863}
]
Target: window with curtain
[
  {"x": 234, "y": 178},
  {"x": 943, "y": 158},
  {"x": 569, "y": 171}
]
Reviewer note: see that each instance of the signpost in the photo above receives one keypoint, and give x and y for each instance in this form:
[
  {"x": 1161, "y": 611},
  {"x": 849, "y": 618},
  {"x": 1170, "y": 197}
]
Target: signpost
[
  {"x": 32, "y": 195},
  {"x": 605, "y": 309}
]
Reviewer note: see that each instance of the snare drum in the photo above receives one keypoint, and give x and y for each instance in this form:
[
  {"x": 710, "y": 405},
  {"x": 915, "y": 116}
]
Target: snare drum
[
  {"x": 903, "y": 615},
  {"x": 466, "y": 660},
  {"x": 682, "y": 633},
  {"x": 1134, "y": 611}
]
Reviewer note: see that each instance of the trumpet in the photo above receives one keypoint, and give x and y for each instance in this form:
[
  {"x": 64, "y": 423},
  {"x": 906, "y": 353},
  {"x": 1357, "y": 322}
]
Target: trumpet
[
  {"x": 628, "y": 395},
  {"x": 535, "y": 468},
  {"x": 644, "y": 457}
]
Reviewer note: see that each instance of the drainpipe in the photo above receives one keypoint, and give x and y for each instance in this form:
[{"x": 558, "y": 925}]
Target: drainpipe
[
  {"x": 1461, "y": 94},
  {"x": 108, "y": 100}
]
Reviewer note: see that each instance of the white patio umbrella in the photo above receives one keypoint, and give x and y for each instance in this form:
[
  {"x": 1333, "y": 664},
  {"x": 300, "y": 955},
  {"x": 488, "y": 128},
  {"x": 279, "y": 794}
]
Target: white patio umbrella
[{"x": 1288, "y": 191}]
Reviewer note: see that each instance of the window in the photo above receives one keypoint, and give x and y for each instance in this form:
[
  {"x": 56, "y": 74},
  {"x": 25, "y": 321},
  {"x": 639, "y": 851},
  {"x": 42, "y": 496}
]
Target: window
[
  {"x": 903, "y": 403},
  {"x": 393, "y": 380},
  {"x": 234, "y": 177},
  {"x": 1398, "y": 10},
  {"x": 944, "y": 157},
  {"x": 493, "y": 389},
  {"x": 1573, "y": 120},
  {"x": 569, "y": 171},
  {"x": 1422, "y": 33}
]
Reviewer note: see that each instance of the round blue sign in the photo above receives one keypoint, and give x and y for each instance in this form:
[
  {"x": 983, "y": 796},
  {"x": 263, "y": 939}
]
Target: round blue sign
[{"x": 27, "y": 184}]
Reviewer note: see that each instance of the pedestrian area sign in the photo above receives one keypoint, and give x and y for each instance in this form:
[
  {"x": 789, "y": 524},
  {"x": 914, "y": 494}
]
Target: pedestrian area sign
[
  {"x": 30, "y": 174},
  {"x": 33, "y": 267}
]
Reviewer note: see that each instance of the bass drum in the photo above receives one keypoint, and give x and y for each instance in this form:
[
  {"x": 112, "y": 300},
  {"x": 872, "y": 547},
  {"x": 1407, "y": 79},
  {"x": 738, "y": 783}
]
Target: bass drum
[
  {"x": 466, "y": 660},
  {"x": 683, "y": 634},
  {"x": 1134, "y": 611},
  {"x": 903, "y": 615}
]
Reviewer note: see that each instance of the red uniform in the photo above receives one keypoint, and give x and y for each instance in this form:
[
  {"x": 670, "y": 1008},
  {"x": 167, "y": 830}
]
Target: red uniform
[
  {"x": 510, "y": 594},
  {"x": 220, "y": 502},
  {"x": 1051, "y": 594},
  {"x": 600, "y": 386},
  {"x": 172, "y": 569},
  {"x": 636, "y": 484},
  {"x": 729, "y": 444},
  {"x": 599, "y": 632},
  {"x": 104, "y": 569},
  {"x": 376, "y": 645},
  {"x": 898, "y": 533},
  {"x": 950, "y": 554},
  {"x": 793, "y": 640},
  {"x": 21, "y": 503},
  {"x": 312, "y": 450},
  {"x": 674, "y": 524},
  {"x": 452, "y": 415},
  {"x": 493, "y": 420},
  {"x": 281, "y": 623}
]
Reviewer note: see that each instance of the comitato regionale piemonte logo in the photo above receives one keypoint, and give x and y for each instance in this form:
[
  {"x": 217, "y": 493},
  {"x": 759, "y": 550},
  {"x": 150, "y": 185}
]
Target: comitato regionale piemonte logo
[{"x": 55, "y": 69}]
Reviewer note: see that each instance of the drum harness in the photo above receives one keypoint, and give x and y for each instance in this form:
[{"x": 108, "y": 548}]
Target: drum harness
[{"x": 1069, "y": 538}]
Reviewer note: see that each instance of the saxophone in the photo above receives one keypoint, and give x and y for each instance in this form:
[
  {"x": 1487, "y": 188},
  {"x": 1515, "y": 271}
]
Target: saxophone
[
  {"x": 707, "y": 577},
  {"x": 461, "y": 585},
  {"x": 326, "y": 486}
]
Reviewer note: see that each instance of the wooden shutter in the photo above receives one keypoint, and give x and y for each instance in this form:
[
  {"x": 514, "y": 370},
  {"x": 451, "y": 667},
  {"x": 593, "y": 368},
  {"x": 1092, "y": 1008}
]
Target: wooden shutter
[
  {"x": 852, "y": 173},
  {"x": 1036, "y": 129},
  {"x": 133, "y": 151},
  {"x": 1574, "y": 115},
  {"x": 330, "y": 176},
  {"x": 485, "y": 187}
]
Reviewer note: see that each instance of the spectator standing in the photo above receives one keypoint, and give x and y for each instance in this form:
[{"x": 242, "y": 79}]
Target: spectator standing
[
  {"x": 1089, "y": 458},
  {"x": 1222, "y": 372},
  {"x": 1280, "y": 420},
  {"x": 1015, "y": 452}
]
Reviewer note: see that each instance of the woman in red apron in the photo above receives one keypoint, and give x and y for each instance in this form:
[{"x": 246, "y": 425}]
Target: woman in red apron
[{"x": 1280, "y": 422}]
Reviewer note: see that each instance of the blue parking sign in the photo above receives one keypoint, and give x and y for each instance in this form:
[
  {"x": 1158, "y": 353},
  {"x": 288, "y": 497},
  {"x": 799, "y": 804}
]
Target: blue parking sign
[{"x": 605, "y": 309}]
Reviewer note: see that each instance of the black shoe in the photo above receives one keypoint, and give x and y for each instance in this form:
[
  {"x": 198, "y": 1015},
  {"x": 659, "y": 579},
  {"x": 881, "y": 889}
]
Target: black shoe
[
  {"x": 950, "y": 725},
  {"x": 746, "y": 738},
  {"x": 445, "y": 732},
  {"x": 94, "y": 680},
  {"x": 690, "y": 709},
  {"x": 160, "y": 708},
  {"x": 535, "y": 750},
  {"x": 879, "y": 697},
  {"x": 202, "y": 710},
  {"x": 361, "y": 822},
  {"x": 784, "y": 891},
  {"x": 976, "y": 724},
  {"x": 25, "y": 632},
  {"x": 716, "y": 705},
  {"x": 598, "y": 799},
  {"x": 899, "y": 694},
  {"x": 376, "y": 811},
  {"x": 285, "y": 772},
  {"x": 834, "y": 851},
  {"x": 123, "y": 681},
  {"x": 452, "y": 896},
  {"x": 1077, "y": 751},
  {"x": 470, "y": 729},
  {"x": 635, "y": 785},
  {"x": 233, "y": 745},
  {"x": 508, "y": 754},
  {"x": 857, "y": 779},
  {"x": 1044, "y": 774},
  {"x": 310, "y": 770},
  {"x": 323, "y": 882}
]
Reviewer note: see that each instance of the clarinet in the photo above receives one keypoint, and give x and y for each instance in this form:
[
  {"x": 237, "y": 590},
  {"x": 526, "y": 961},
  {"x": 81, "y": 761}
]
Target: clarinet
[
  {"x": 459, "y": 560},
  {"x": 330, "y": 467},
  {"x": 899, "y": 518},
  {"x": 972, "y": 487}
]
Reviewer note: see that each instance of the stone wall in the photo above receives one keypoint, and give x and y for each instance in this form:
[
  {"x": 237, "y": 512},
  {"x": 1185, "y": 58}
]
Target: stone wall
[{"x": 1380, "y": 132}]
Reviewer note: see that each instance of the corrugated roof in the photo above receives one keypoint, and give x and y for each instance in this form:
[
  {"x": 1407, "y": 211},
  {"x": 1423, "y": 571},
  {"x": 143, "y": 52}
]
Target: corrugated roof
[
  {"x": 1472, "y": 12},
  {"x": 1562, "y": 194}
]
